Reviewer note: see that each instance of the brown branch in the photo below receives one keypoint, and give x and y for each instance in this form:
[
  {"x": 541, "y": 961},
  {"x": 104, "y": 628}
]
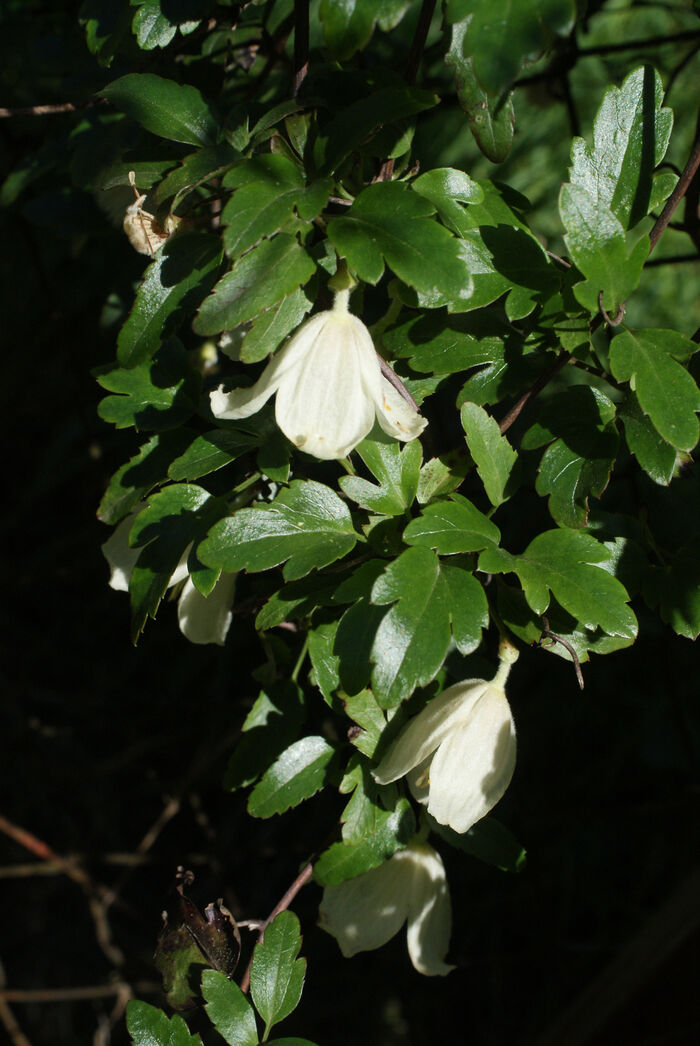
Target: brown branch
[
  {"x": 544, "y": 379},
  {"x": 546, "y": 634},
  {"x": 281, "y": 906},
  {"x": 301, "y": 44},
  {"x": 634, "y": 45},
  {"x": 49, "y": 110},
  {"x": 419, "y": 37},
  {"x": 607, "y": 317},
  {"x": 94, "y": 991},
  {"x": 393, "y": 379},
  {"x": 8, "y": 1019},
  {"x": 674, "y": 259},
  {"x": 682, "y": 186}
]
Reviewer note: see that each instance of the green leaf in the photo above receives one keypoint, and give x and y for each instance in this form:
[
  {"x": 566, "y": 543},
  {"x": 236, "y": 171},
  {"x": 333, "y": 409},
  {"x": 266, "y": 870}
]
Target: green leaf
[
  {"x": 158, "y": 395},
  {"x": 678, "y": 589},
  {"x": 447, "y": 189},
  {"x": 488, "y": 840},
  {"x": 182, "y": 273},
  {"x": 376, "y": 823},
  {"x": 665, "y": 389},
  {"x": 348, "y": 25},
  {"x": 438, "y": 343},
  {"x": 358, "y": 122},
  {"x": 452, "y": 526},
  {"x": 173, "y": 519},
  {"x": 442, "y": 475},
  {"x": 389, "y": 222},
  {"x": 598, "y": 246},
  {"x": 145, "y": 470},
  {"x": 630, "y": 136},
  {"x": 568, "y": 564},
  {"x": 299, "y": 772},
  {"x": 276, "y": 975},
  {"x": 149, "y": 1026},
  {"x": 257, "y": 281},
  {"x": 501, "y": 35},
  {"x": 268, "y": 189},
  {"x": 324, "y": 662},
  {"x": 413, "y": 637},
  {"x": 229, "y": 1010},
  {"x": 492, "y": 453},
  {"x": 654, "y": 454},
  {"x": 579, "y": 462},
  {"x": 271, "y": 327},
  {"x": 106, "y": 26},
  {"x": 195, "y": 169},
  {"x": 271, "y": 726},
  {"x": 364, "y": 710},
  {"x": 211, "y": 451},
  {"x": 491, "y": 121},
  {"x": 151, "y": 27},
  {"x": 307, "y": 524},
  {"x": 170, "y": 110},
  {"x": 295, "y": 600},
  {"x": 396, "y": 470}
]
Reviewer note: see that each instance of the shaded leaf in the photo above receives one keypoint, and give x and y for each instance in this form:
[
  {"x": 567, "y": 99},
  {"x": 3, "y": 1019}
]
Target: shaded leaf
[
  {"x": 170, "y": 110},
  {"x": 229, "y": 1010},
  {"x": 491, "y": 120},
  {"x": 158, "y": 395},
  {"x": 654, "y": 454}
]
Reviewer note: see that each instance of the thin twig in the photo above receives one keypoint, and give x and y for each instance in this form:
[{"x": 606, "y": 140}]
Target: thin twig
[
  {"x": 419, "y": 37},
  {"x": 678, "y": 193},
  {"x": 547, "y": 634},
  {"x": 301, "y": 880},
  {"x": 620, "y": 315},
  {"x": 92, "y": 991},
  {"x": 634, "y": 45},
  {"x": 674, "y": 259},
  {"x": 301, "y": 44},
  {"x": 544, "y": 379},
  {"x": 8, "y": 1019},
  {"x": 393, "y": 379},
  {"x": 49, "y": 110}
]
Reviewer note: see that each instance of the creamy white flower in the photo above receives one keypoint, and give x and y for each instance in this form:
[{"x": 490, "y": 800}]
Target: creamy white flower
[
  {"x": 365, "y": 912},
  {"x": 458, "y": 754},
  {"x": 329, "y": 388},
  {"x": 202, "y": 619}
]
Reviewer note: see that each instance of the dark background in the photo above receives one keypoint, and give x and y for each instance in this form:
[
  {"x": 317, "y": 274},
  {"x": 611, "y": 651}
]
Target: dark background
[{"x": 594, "y": 942}]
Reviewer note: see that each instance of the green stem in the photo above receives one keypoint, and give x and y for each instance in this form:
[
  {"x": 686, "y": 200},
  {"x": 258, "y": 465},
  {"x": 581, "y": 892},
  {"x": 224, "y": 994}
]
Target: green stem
[{"x": 300, "y": 660}]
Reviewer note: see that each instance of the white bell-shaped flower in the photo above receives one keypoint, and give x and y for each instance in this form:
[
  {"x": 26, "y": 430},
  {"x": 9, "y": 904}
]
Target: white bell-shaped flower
[
  {"x": 329, "y": 388},
  {"x": 458, "y": 754},
  {"x": 202, "y": 619},
  {"x": 365, "y": 912}
]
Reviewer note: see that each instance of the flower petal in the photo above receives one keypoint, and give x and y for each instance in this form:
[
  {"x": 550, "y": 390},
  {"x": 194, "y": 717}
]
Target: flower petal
[
  {"x": 396, "y": 415},
  {"x": 365, "y": 912},
  {"x": 429, "y": 913},
  {"x": 206, "y": 619},
  {"x": 322, "y": 406},
  {"x": 241, "y": 403},
  {"x": 120, "y": 555},
  {"x": 422, "y": 734},
  {"x": 473, "y": 767}
]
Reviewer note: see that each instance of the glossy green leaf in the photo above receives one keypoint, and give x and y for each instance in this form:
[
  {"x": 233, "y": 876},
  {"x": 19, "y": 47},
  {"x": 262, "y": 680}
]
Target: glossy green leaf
[
  {"x": 448, "y": 189},
  {"x": 441, "y": 476},
  {"x": 358, "y": 122},
  {"x": 211, "y": 451},
  {"x": 299, "y": 772},
  {"x": 451, "y": 526},
  {"x": 149, "y": 1026},
  {"x": 367, "y": 713},
  {"x": 654, "y": 454},
  {"x": 488, "y": 839},
  {"x": 170, "y": 110},
  {"x": 492, "y": 453},
  {"x": 276, "y": 975},
  {"x": 175, "y": 283},
  {"x": 271, "y": 327},
  {"x": 579, "y": 462},
  {"x": 665, "y": 389},
  {"x": 630, "y": 136},
  {"x": 396, "y": 470},
  {"x": 388, "y": 222},
  {"x": 503, "y": 35},
  {"x": 151, "y": 27},
  {"x": 491, "y": 120},
  {"x": 106, "y": 26},
  {"x": 307, "y": 524},
  {"x": 157, "y": 395},
  {"x": 195, "y": 169},
  {"x": 348, "y": 24},
  {"x": 432, "y": 601},
  {"x": 257, "y": 281},
  {"x": 229, "y": 1010},
  {"x": 268, "y": 189},
  {"x": 324, "y": 662},
  {"x": 599, "y": 249},
  {"x": 295, "y": 600},
  {"x": 438, "y": 343},
  {"x": 140, "y": 474},
  {"x": 571, "y": 566},
  {"x": 376, "y": 823},
  {"x": 271, "y": 726},
  {"x": 175, "y": 518}
]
